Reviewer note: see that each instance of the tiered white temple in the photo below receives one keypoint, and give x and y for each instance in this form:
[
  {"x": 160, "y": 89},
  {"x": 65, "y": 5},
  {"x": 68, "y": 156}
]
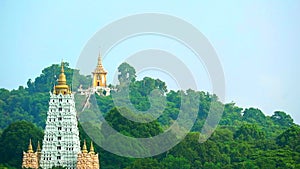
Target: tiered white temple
[{"x": 61, "y": 145}]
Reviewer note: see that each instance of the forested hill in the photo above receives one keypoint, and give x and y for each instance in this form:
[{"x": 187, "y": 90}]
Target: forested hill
[
  {"x": 245, "y": 137},
  {"x": 30, "y": 103}
]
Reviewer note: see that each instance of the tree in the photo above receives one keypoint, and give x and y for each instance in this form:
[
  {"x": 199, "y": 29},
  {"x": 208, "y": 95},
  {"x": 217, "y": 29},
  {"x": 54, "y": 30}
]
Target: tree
[
  {"x": 105, "y": 103},
  {"x": 141, "y": 90},
  {"x": 46, "y": 81},
  {"x": 15, "y": 139},
  {"x": 231, "y": 114},
  {"x": 291, "y": 138},
  {"x": 210, "y": 165},
  {"x": 222, "y": 135},
  {"x": 185, "y": 149},
  {"x": 282, "y": 119},
  {"x": 5, "y": 166},
  {"x": 126, "y": 74},
  {"x": 131, "y": 128},
  {"x": 249, "y": 132},
  {"x": 277, "y": 158},
  {"x": 175, "y": 162},
  {"x": 145, "y": 163},
  {"x": 253, "y": 115}
]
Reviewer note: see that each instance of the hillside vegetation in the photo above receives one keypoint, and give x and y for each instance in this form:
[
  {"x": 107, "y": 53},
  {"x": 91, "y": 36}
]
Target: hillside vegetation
[{"x": 245, "y": 137}]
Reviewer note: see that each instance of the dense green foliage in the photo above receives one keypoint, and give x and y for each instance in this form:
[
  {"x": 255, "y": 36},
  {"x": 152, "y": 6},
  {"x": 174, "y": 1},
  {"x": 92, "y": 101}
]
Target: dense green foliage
[
  {"x": 31, "y": 103},
  {"x": 15, "y": 139},
  {"x": 245, "y": 138},
  {"x": 46, "y": 81},
  {"x": 131, "y": 128}
]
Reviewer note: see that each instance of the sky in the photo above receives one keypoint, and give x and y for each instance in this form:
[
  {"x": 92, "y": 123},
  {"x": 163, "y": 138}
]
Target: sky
[{"x": 257, "y": 43}]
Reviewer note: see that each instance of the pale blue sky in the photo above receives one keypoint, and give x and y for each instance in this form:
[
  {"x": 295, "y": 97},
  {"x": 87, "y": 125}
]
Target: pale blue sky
[{"x": 257, "y": 42}]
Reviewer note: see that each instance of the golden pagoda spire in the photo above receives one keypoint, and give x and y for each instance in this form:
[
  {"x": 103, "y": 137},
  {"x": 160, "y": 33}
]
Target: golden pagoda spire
[
  {"x": 62, "y": 77},
  {"x": 99, "y": 74},
  {"x": 92, "y": 148},
  {"x": 62, "y": 86},
  {"x": 38, "y": 149},
  {"x": 99, "y": 68},
  {"x": 84, "y": 149},
  {"x": 30, "y": 150}
]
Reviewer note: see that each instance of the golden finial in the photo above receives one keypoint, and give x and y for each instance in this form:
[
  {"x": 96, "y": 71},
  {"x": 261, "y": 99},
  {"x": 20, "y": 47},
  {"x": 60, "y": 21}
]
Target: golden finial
[
  {"x": 62, "y": 86},
  {"x": 84, "y": 149},
  {"x": 92, "y": 148},
  {"x": 99, "y": 60},
  {"x": 30, "y": 150},
  {"x": 62, "y": 67},
  {"x": 99, "y": 68},
  {"x": 62, "y": 77},
  {"x": 38, "y": 149}
]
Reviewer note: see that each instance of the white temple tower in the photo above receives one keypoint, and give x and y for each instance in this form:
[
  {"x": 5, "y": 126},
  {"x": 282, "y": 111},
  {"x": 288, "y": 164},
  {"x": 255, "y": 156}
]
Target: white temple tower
[{"x": 61, "y": 143}]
